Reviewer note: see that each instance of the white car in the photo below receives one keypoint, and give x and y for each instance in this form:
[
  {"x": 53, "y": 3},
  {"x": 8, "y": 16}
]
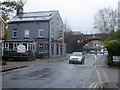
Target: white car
[
  {"x": 116, "y": 58},
  {"x": 77, "y": 57}
]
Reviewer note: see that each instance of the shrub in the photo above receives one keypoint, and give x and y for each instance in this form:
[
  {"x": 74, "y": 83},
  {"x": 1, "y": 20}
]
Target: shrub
[
  {"x": 41, "y": 55},
  {"x": 113, "y": 47}
]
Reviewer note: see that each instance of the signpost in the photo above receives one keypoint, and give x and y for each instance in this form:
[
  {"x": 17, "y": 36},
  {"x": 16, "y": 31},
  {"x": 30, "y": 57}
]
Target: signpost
[{"x": 21, "y": 49}]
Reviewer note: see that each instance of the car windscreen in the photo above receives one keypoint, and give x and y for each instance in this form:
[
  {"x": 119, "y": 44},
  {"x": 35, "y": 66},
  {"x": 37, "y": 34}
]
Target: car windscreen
[{"x": 76, "y": 54}]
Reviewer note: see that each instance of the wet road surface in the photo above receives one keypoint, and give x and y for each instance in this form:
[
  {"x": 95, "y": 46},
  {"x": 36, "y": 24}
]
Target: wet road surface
[{"x": 61, "y": 74}]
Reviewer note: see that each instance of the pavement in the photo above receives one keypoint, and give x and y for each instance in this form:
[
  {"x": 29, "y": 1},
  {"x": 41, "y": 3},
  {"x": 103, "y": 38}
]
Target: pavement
[{"x": 11, "y": 65}]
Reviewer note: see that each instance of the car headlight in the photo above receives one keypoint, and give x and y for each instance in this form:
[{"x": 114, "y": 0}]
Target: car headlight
[
  {"x": 70, "y": 58},
  {"x": 79, "y": 58}
]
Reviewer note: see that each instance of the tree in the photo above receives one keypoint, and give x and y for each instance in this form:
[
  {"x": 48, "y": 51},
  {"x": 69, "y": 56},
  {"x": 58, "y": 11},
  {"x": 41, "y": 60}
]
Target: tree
[
  {"x": 10, "y": 6},
  {"x": 113, "y": 35},
  {"x": 67, "y": 26},
  {"x": 113, "y": 45},
  {"x": 68, "y": 37},
  {"x": 106, "y": 20},
  {"x": 5, "y": 17}
]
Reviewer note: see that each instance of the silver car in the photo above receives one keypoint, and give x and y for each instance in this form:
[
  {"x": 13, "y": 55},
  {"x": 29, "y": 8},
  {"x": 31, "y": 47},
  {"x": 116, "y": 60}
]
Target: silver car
[{"x": 77, "y": 57}]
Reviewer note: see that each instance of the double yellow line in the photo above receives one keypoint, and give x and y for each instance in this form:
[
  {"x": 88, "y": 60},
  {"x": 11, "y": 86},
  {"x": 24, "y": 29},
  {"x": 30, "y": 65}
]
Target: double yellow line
[{"x": 94, "y": 85}]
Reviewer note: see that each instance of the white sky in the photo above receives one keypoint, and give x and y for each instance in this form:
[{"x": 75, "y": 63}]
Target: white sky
[{"x": 79, "y": 13}]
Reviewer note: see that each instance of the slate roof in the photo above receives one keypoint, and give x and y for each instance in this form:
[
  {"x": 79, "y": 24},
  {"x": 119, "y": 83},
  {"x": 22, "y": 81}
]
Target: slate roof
[{"x": 33, "y": 16}]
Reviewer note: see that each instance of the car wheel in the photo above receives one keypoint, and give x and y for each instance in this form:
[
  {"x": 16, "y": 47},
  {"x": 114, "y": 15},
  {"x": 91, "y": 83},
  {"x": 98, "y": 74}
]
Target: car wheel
[
  {"x": 69, "y": 62},
  {"x": 82, "y": 62}
]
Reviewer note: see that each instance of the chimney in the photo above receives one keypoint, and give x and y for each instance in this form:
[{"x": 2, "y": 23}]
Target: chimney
[{"x": 19, "y": 11}]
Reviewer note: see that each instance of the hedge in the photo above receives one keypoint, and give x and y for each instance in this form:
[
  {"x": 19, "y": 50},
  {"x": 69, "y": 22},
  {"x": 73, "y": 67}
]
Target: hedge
[{"x": 113, "y": 47}]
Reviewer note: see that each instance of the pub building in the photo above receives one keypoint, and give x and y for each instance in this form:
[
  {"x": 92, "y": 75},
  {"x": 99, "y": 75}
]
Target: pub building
[{"x": 38, "y": 32}]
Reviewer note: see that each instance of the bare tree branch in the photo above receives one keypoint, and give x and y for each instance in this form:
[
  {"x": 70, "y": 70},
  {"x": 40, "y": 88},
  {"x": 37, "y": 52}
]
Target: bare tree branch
[{"x": 106, "y": 20}]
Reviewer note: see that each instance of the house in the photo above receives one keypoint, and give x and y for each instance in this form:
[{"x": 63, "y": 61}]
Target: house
[
  {"x": 39, "y": 32},
  {"x": 2, "y": 25},
  {"x": 76, "y": 33}
]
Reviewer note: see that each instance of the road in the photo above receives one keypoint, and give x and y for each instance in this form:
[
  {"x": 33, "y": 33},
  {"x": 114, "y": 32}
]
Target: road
[{"x": 94, "y": 73}]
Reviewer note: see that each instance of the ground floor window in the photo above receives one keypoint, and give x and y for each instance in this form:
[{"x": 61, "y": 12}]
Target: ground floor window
[
  {"x": 11, "y": 46},
  {"x": 52, "y": 49},
  {"x": 41, "y": 46},
  {"x": 6, "y": 46},
  {"x": 60, "y": 49},
  {"x": 26, "y": 46},
  {"x": 15, "y": 46},
  {"x": 57, "y": 48}
]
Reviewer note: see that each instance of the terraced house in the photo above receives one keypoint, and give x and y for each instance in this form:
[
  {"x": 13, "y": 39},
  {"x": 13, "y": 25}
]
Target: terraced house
[
  {"x": 38, "y": 32},
  {"x": 2, "y": 25}
]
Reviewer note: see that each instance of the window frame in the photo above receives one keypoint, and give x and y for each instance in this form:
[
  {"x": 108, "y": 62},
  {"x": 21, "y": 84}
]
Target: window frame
[
  {"x": 25, "y": 36},
  {"x": 40, "y": 31},
  {"x": 14, "y": 30},
  {"x": 52, "y": 33}
]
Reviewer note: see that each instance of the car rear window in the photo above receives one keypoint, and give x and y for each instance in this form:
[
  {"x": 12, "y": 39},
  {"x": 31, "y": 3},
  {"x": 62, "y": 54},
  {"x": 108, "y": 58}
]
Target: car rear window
[{"x": 77, "y": 54}]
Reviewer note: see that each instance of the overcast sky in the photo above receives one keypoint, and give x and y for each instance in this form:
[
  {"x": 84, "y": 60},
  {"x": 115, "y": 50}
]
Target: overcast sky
[{"x": 79, "y": 13}]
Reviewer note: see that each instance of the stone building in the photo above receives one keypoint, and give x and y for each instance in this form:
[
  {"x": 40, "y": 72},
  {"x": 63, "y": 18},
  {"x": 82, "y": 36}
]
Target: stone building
[
  {"x": 2, "y": 25},
  {"x": 41, "y": 32}
]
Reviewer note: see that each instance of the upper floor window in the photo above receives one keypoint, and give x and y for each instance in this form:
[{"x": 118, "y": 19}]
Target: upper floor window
[
  {"x": 15, "y": 33},
  {"x": 26, "y": 34},
  {"x": 52, "y": 33},
  {"x": 57, "y": 21},
  {"x": 41, "y": 33}
]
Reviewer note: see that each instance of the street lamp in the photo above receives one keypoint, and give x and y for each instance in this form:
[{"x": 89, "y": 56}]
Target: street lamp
[
  {"x": 78, "y": 47},
  {"x": 78, "y": 41}
]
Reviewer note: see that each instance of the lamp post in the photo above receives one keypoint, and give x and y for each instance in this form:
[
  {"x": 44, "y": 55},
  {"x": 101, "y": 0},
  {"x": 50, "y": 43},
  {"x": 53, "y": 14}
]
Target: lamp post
[{"x": 78, "y": 41}]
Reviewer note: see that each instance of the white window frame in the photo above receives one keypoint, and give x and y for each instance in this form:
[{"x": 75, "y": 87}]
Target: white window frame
[
  {"x": 13, "y": 33},
  {"x": 52, "y": 33},
  {"x": 14, "y": 46},
  {"x": 27, "y": 33},
  {"x": 40, "y": 31}
]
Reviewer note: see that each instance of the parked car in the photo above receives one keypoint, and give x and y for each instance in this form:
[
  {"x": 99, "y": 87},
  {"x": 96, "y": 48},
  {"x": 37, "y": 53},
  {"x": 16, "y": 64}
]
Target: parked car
[
  {"x": 106, "y": 52},
  {"x": 98, "y": 51},
  {"x": 77, "y": 57},
  {"x": 102, "y": 51},
  {"x": 92, "y": 51},
  {"x": 116, "y": 59}
]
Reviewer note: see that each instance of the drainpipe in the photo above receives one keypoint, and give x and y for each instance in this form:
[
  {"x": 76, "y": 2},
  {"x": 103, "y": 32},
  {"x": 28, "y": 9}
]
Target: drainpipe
[{"x": 49, "y": 40}]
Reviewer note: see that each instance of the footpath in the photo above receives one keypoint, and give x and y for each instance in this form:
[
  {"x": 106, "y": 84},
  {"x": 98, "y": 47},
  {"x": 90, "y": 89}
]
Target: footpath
[
  {"x": 11, "y": 65},
  {"x": 109, "y": 74}
]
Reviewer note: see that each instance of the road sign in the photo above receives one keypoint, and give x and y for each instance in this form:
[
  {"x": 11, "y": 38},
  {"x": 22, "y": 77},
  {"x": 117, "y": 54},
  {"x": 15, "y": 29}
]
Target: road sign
[{"x": 21, "y": 48}]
